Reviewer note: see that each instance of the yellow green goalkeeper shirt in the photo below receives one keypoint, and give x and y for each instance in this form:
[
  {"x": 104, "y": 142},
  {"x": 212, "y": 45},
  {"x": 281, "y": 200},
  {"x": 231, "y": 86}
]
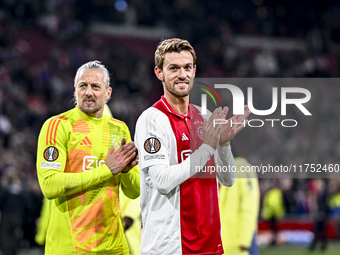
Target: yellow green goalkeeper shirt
[{"x": 84, "y": 210}]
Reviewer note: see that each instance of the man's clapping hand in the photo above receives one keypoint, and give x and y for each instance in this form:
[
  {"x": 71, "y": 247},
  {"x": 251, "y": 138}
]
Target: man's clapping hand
[{"x": 123, "y": 159}]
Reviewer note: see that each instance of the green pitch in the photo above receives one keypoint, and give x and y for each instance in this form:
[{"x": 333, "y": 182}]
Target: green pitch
[{"x": 301, "y": 249}]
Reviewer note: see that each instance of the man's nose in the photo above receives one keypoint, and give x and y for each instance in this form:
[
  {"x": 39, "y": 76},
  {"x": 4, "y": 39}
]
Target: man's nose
[
  {"x": 182, "y": 74},
  {"x": 89, "y": 91}
]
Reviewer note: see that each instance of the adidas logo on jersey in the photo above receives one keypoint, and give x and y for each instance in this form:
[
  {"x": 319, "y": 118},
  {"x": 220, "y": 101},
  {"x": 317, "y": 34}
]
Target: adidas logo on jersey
[
  {"x": 184, "y": 137},
  {"x": 86, "y": 141}
]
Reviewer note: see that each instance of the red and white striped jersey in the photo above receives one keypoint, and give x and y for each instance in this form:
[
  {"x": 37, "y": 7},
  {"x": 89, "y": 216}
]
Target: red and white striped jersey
[{"x": 180, "y": 213}]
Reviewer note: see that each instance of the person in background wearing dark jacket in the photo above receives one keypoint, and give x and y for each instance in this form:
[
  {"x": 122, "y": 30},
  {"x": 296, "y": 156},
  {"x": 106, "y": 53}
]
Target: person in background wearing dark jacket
[{"x": 321, "y": 214}]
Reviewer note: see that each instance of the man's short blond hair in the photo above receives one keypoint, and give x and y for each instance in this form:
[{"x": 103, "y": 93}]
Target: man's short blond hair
[{"x": 172, "y": 45}]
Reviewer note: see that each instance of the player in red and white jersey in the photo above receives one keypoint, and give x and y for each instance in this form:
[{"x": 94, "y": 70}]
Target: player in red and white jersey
[{"x": 180, "y": 212}]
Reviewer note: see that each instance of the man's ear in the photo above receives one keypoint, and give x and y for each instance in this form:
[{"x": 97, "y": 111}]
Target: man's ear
[
  {"x": 108, "y": 93},
  {"x": 159, "y": 73}
]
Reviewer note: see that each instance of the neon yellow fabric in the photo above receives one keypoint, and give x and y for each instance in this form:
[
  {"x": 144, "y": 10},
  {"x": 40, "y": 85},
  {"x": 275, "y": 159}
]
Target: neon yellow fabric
[
  {"x": 107, "y": 111},
  {"x": 40, "y": 237},
  {"x": 131, "y": 208},
  {"x": 273, "y": 205},
  {"x": 84, "y": 212},
  {"x": 239, "y": 210},
  {"x": 334, "y": 201}
]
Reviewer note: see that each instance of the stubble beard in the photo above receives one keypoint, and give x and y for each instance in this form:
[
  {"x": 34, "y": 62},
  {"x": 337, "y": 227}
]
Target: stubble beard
[
  {"x": 90, "y": 110},
  {"x": 178, "y": 93}
]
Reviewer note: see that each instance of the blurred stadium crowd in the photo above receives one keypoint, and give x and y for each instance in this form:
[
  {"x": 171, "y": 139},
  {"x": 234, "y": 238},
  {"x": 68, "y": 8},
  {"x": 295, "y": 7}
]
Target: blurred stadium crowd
[{"x": 42, "y": 43}]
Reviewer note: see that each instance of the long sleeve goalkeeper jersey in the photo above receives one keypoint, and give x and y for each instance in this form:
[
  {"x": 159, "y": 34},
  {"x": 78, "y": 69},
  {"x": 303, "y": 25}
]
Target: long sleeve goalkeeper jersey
[{"x": 84, "y": 209}]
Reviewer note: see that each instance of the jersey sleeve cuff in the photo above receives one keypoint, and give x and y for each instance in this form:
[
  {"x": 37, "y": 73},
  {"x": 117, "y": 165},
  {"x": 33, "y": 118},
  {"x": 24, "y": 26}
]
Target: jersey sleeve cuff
[
  {"x": 107, "y": 172},
  {"x": 208, "y": 148},
  {"x": 223, "y": 150}
]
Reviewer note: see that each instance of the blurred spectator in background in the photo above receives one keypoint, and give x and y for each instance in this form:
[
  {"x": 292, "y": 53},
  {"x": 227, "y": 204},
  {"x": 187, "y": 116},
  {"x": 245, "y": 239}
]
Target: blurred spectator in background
[
  {"x": 273, "y": 209},
  {"x": 33, "y": 199},
  {"x": 320, "y": 213},
  {"x": 12, "y": 206},
  {"x": 239, "y": 210},
  {"x": 334, "y": 202}
]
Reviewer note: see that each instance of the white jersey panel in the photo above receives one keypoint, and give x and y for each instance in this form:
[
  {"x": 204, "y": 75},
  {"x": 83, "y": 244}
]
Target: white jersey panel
[{"x": 160, "y": 213}]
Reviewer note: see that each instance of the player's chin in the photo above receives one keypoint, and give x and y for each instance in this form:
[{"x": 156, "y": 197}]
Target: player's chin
[
  {"x": 183, "y": 93},
  {"x": 90, "y": 109}
]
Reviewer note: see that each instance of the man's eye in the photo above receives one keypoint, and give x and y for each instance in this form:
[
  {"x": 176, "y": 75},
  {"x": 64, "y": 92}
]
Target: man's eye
[{"x": 172, "y": 68}]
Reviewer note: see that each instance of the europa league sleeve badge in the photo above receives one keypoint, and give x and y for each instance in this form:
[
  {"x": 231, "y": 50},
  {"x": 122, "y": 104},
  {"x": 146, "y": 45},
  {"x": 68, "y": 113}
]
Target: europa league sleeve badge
[
  {"x": 152, "y": 145},
  {"x": 51, "y": 153}
]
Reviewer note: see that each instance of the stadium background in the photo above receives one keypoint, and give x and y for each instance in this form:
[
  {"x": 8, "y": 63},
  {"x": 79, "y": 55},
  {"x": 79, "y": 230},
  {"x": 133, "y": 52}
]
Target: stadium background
[{"x": 42, "y": 43}]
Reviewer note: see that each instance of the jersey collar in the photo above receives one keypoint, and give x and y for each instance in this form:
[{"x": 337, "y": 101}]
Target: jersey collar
[
  {"x": 169, "y": 109},
  {"x": 85, "y": 117}
]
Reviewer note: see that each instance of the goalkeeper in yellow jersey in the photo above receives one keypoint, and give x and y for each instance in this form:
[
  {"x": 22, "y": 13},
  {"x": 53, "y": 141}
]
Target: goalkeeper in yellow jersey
[{"x": 83, "y": 157}]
